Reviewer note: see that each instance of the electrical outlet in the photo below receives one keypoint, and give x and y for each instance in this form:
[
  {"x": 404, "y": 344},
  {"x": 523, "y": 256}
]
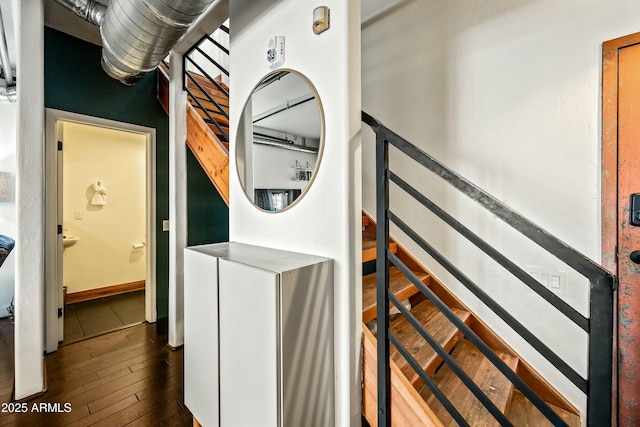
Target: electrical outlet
[{"x": 555, "y": 280}]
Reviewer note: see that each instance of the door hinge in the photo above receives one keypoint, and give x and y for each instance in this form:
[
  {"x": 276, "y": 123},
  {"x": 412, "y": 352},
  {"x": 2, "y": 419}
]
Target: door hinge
[
  {"x": 59, "y": 145},
  {"x": 60, "y": 312},
  {"x": 59, "y": 229}
]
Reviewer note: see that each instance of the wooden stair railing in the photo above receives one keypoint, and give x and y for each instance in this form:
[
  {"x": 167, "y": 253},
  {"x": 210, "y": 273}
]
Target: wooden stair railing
[
  {"x": 412, "y": 404},
  {"x": 203, "y": 138}
]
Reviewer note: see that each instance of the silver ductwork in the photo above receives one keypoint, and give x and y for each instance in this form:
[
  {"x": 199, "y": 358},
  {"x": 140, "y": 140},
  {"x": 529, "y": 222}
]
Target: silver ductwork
[
  {"x": 138, "y": 34},
  {"x": 8, "y": 90},
  {"x": 8, "y": 93},
  {"x": 89, "y": 10}
]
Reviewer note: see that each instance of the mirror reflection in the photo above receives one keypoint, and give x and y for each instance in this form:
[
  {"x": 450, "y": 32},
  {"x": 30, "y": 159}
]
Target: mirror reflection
[{"x": 279, "y": 140}]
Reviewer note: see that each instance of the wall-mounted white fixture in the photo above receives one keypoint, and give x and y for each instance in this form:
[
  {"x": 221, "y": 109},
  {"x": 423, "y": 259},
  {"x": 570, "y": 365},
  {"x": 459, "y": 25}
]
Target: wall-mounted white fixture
[
  {"x": 138, "y": 245},
  {"x": 100, "y": 196},
  {"x": 68, "y": 241},
  {"x": 320, "y": 19},
  {"x": 275, "y": 52}
]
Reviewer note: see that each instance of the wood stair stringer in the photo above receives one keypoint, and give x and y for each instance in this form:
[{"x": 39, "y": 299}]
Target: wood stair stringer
[
  {"x": 407, "y": 407},
  {"x": 202, "y": 138},
  {"x": 212, "y": 155}
]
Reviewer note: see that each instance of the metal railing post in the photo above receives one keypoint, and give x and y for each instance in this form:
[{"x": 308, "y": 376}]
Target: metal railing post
[
  {"x": 599, "y": 403},
  {"x": 382, "y": 280}
]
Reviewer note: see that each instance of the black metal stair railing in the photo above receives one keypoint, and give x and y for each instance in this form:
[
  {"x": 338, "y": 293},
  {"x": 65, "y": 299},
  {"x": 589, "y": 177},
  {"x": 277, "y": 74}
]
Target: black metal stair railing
[
  {"x": 203, "y": 48},
  {"x": 599, "y": 325}
]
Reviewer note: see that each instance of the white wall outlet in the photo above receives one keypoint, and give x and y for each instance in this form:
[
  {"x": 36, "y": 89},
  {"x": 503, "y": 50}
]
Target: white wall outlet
[
  {"x": 165, "y": 225},
  {"x": 78, "y": 213}
]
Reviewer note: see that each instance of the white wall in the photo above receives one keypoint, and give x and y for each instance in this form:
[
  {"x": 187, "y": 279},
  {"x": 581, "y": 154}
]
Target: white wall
[
  {"x": 104, "y": 255},
  {"x": 326, "y": 221},
  {"x": 507, "y": 93},
  {"x": 8, "y": 114},
  {"x": 29, "y": 251},
  {"x": 276, "y": 168}
]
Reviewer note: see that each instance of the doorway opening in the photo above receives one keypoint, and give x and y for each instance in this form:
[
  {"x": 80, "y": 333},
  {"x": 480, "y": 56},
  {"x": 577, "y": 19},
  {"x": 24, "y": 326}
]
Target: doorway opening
[{"x": 100, "y": 226}]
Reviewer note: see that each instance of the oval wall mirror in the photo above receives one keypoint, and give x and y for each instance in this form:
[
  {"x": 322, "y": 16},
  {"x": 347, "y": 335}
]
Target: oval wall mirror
[{"x": 279, "y": 140}]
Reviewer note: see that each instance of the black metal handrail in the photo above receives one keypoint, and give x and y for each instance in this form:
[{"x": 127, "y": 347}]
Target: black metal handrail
[
  {"x": 203, "y": 47},
  {"x": 597, "y": 386}
]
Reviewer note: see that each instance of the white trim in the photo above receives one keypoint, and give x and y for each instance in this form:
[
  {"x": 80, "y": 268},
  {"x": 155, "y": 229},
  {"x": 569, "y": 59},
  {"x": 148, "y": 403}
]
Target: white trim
[
  {"x": 211, "y": 19},
  {"x": 177, "y": 200},
  {"x": 53, "y": 117}
]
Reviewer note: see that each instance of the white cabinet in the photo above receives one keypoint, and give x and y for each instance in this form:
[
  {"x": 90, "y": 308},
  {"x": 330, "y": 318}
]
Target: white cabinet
[{"x": 258, "y": 347}]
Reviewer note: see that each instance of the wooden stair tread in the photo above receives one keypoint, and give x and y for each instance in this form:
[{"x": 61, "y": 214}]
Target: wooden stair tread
[
  {"x": 399, "y": 284},
  {"x": 521, "y": 412},
  {"x": 220, "y": 98},
  {"x": 365, "y": 221},
  {"x": 369, "y": 249},
  {"x": 207, "y": 104},
  {"x": 491, "y": 381},
  {"x": 439, "y": 327},
  {"x": 222, "y": 120},
  {"x": 205, "y": 83},
  {"x": 217, "y": 132}
]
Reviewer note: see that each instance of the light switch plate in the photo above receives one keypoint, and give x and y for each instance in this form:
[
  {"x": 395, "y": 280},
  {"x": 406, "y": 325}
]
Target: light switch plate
[
  {"x": 555, "y": 280},
  {"x": 165, "y": 225}
]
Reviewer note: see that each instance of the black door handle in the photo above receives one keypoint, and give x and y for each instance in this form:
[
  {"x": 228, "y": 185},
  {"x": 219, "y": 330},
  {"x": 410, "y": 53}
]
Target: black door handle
[{"x": 635, "y": 256}]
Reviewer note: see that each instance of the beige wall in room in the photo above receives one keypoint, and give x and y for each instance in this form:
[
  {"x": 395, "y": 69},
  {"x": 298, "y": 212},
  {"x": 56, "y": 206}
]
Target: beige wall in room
[{"x": 104, "y": 255}]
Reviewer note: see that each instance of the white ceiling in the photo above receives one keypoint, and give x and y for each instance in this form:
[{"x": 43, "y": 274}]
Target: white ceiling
[{"x": 61, "y": 19}]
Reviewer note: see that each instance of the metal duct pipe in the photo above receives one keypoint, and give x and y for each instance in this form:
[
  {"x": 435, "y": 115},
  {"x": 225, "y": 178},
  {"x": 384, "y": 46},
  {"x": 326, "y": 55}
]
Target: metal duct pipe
[
  {"x": 138, "y": 34},
  {"x": 89, "y": 10},
  {"x": 4, "y": 56},
  {"x": 8, "y": 94}
]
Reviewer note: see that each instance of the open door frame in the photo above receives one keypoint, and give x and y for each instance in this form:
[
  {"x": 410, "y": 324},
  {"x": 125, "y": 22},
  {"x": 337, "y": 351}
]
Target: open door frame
[{"x": 53, "y": 241}]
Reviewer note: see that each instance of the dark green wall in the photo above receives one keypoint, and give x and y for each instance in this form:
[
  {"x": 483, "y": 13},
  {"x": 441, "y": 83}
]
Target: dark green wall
[
  {"x": 74, "y": 81},
  {"x": 207, "y": 214}
]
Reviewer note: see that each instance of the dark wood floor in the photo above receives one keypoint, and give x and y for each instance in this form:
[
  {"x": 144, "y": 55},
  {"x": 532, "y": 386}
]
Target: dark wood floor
[
  {"x": 129, "y": 377},
  {"x": 6, "y": 361}
]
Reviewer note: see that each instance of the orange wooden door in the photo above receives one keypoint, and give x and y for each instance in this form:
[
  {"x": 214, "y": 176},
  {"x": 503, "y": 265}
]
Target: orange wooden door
[{"x": 621, "y": 117}]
